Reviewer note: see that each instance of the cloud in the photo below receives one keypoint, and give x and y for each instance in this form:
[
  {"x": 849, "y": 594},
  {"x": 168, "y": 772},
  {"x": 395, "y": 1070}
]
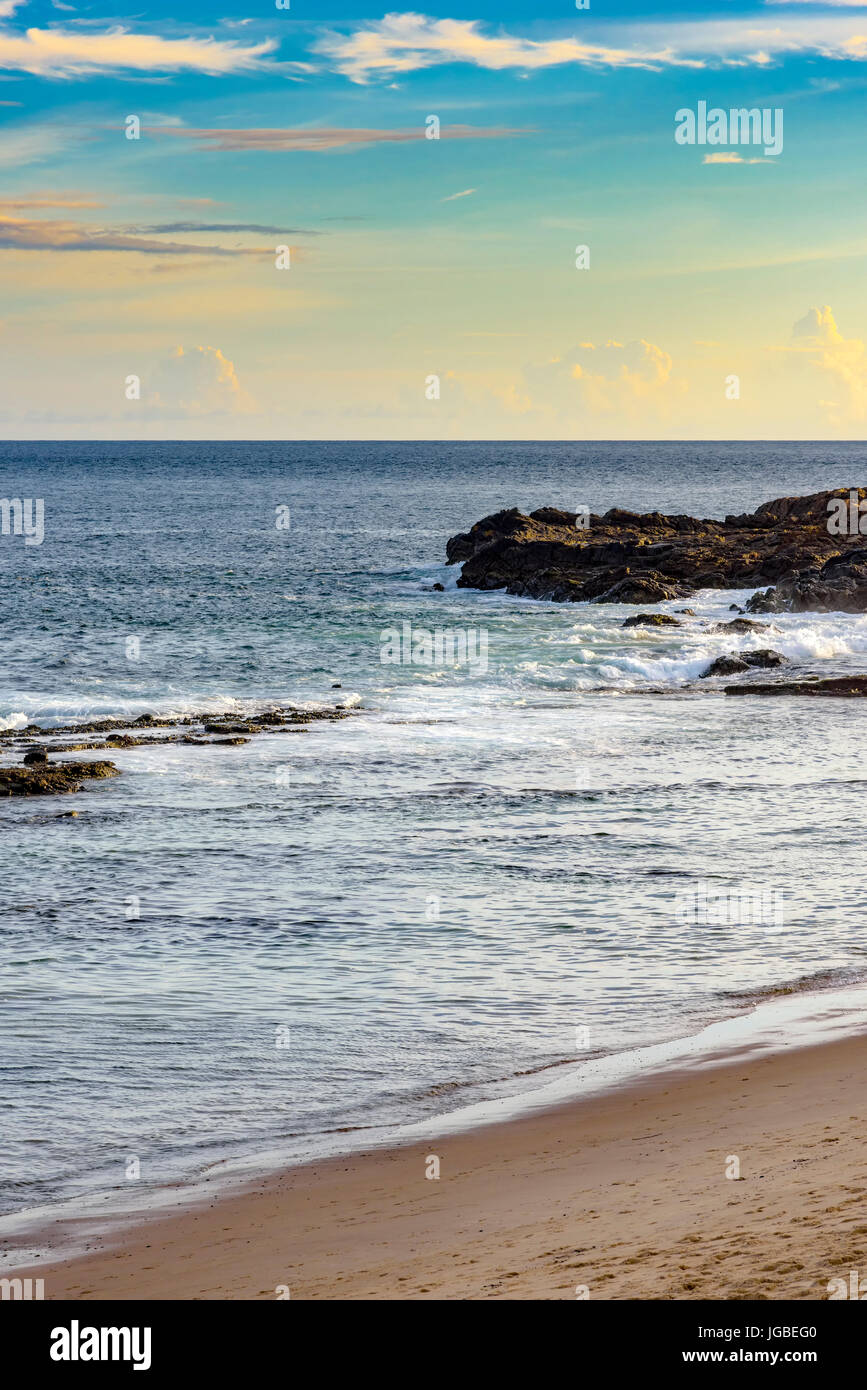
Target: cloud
[
  {"x": 406, "y": 42},
  {"x": 22, "y": 234},
  {"x": 623, "y": 379},
  {"x": 67, "y": 53},
  {"x": 178, "y": 227},
  {"x": 196, "y": 382},
  {"x": 732, "y": 158},
  {"x": 844, "y": 360},
  {"x": 27, "y": 201},
  {"x": 329, "y": 137},
  {"x": 465, "y": 194},
  {"x": 33, "y": 144}
]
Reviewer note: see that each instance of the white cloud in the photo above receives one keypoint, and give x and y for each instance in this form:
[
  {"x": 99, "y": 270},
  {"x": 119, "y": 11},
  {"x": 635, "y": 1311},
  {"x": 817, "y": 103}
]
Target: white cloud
[
  {"x": 68, "y": 53},
  {"x": 197, "y": 381},
  {"x": 407, "y": 42}
]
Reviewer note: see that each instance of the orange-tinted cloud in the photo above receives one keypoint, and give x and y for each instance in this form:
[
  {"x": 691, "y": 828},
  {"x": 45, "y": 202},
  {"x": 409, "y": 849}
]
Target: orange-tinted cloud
[
  {"x": 328, "y": 137},
  {"x": 23, "y": 234}
]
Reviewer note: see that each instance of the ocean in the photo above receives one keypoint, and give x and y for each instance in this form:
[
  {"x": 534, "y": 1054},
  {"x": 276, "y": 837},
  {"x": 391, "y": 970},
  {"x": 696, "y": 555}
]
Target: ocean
[{"x": 474, "y": 882}]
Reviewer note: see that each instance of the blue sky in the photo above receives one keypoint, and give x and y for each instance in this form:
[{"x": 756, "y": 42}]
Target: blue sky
[{"x": 432, "y": 289}]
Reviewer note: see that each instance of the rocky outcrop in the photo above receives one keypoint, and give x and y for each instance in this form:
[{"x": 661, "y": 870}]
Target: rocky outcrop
[
  {"x": 732, "y": 665},
  {"x": 833, "y": 685},
  {"x": 47, "y": 779},
  {"x": 652, "y": 620},
  {"x": 741, "y": 625},
  {"x": 40, "y": 777},
  {"x": 629, "y": 557},
  {"x": 837, "y": 586}
]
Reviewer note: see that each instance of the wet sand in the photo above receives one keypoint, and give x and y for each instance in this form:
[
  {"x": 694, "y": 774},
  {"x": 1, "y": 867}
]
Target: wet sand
[{"x": 625, "y": 1195}]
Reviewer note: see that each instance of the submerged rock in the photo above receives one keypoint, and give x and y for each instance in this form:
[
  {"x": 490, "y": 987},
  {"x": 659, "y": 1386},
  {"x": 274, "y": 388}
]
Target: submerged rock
[
  {"x": 732, "y": 665},
  {"x": 741, "y": 625},
  {"x": 49, "y": 779},
  {"x": 832, "y": 685},
  {"x": 725, "y": 666},
  {"x": 651, "y": 620},
  {"x": 629, "y": 557}
]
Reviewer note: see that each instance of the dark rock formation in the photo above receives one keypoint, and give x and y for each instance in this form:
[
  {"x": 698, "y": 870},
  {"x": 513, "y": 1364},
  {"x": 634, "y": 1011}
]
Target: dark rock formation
[
  {"x": 731, "y": 665},
  {"x": 741, "y": 625},
  {"x": 837, "y": 586},
  {"x": 47, "y": 779},
  {"x": 40, "y": 777},
  {"x": 833, "y": 685},
  {"x": 651, "y": 620},
  {"x": 725, "y": 666},
  {"x": 629, "y": 557}
]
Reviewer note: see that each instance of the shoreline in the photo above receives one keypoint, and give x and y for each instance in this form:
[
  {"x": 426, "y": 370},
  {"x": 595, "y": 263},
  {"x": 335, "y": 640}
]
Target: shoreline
[
  {"x": 623, "y": 1191},
  {"x": 769, "y": 1024}
]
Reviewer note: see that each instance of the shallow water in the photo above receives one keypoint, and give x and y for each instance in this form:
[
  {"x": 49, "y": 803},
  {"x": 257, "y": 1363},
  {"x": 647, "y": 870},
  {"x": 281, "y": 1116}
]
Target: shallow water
[{"x": 473, "y": 879}]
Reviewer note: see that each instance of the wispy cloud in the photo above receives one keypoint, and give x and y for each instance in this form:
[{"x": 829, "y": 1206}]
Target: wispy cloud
[
  {"x": 27, "y": 201},
  {"x": 175, "y": 228},
  {"x": 732, "y": 158},
  {"x": 465, "y": 194},
  {"x": 405, "y": 42},
  {"x": 23, "y": 234},
  {"x": 69, "y": 53},
  {"x": 34, "y": 144},
  {"x": 322, "y": 138}
]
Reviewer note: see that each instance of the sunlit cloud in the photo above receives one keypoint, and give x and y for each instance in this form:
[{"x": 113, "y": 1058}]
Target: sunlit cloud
[
  {"x": 322, "y": 138},
  {"x": 174, "y": 228},
  {"x": 23, "y": 234},
  {"x": 68, "y": 53},
  {"x": 403, "y": 43},
  {"x": 406, "y": 42},
  {"x": 30, "y": 201},
  {"x": 729, "y": 157}
]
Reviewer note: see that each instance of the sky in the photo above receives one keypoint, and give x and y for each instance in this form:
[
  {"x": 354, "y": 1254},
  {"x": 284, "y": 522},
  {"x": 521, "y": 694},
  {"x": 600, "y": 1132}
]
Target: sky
[{"x": 432, "y": 288}]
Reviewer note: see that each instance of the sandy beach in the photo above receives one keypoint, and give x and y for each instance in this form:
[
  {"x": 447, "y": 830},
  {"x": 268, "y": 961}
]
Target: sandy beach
[{"x": 625, "y": 1195}]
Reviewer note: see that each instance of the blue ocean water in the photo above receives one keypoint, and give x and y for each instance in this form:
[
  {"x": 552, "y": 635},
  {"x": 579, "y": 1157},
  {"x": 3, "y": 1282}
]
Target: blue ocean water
[{"x": 472, "y": 879}]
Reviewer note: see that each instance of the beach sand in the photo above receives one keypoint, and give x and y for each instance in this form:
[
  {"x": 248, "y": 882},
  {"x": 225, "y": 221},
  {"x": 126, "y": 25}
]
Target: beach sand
[{"x": 625, "y": 1194}]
